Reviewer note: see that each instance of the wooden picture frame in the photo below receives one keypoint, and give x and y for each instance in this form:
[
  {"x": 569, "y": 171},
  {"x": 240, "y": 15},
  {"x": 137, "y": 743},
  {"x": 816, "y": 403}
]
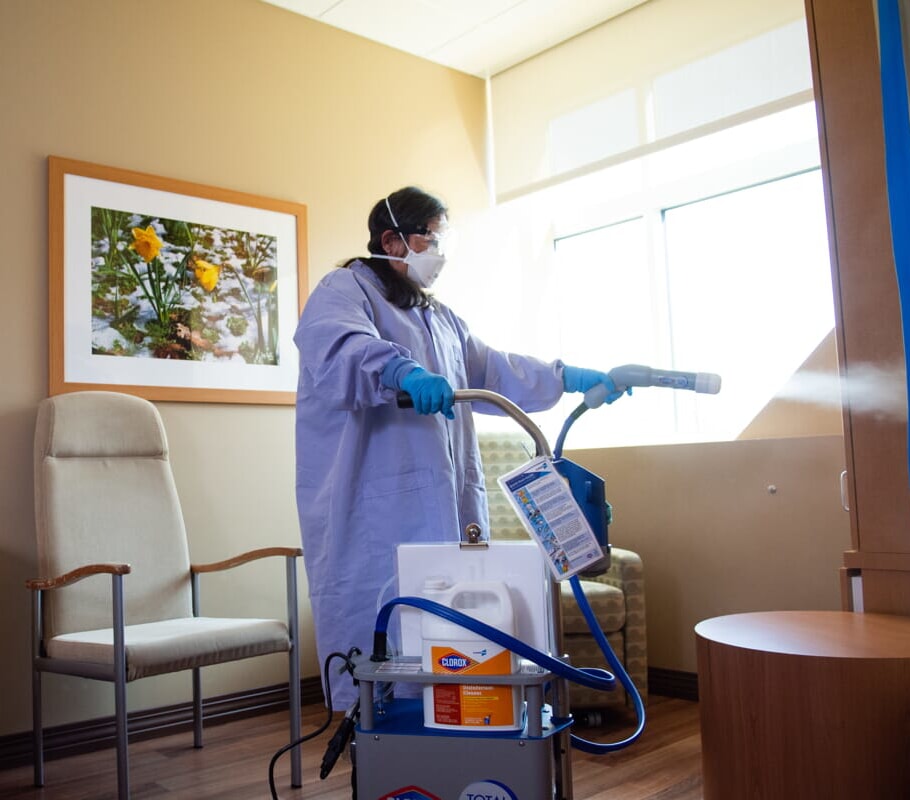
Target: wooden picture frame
[{"x": 171, "y": 290}]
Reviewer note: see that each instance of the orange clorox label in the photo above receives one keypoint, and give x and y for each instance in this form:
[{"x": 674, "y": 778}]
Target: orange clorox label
[
  {"x": 472, "y": 705},
  {"x": 449, "y": 661}
]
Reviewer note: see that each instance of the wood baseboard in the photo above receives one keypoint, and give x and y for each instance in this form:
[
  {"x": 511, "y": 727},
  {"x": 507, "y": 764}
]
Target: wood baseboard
[
  {"x": 673, "y": 683},
  {"x": 97, "y": 734}
]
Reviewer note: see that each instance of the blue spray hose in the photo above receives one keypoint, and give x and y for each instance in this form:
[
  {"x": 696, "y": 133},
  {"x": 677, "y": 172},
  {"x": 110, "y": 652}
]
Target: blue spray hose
[
  {"x": 585, "y": 745},
  {"x": 591, "y": 677},
  {"x": 593, "y": 398}
]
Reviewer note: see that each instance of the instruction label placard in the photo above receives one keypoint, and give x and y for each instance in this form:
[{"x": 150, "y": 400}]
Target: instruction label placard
[{"x": 544, "y": 503}]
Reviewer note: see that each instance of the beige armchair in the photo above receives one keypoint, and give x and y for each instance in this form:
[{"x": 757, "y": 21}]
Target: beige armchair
[
  {"x": 617, "y": 597},
  {"x": 106, "y": 506}
]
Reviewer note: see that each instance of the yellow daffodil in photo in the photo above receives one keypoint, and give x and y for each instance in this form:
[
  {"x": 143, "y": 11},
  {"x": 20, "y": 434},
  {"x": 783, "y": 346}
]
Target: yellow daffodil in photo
[
  {"x": 207, "y": 274},
  {"x": 146, "y": 243}
]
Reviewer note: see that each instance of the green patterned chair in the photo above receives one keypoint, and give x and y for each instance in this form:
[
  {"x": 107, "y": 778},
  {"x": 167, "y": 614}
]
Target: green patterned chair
[{"x": 617, "y": 597}]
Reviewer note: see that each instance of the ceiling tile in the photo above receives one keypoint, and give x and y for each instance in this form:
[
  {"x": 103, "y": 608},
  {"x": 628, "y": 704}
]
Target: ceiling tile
[
  {"x": 309, "y": 8},
  {"x": 480, "y": 37},
  {"x": 524, "y": 31},
  {"x": 415, "y": 26}
]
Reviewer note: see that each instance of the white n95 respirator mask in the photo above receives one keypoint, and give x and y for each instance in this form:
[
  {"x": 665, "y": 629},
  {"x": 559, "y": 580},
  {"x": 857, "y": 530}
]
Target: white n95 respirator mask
[{"x": 424, "y": 267}]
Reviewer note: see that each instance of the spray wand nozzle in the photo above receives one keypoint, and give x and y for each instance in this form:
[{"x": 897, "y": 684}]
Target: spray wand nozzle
[{"x": 629, "y": 375}]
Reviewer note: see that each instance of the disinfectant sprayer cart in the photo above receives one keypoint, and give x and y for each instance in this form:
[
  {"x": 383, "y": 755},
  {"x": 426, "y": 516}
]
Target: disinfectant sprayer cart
[
  {"x": 397, "y": 756},
  {"x": 481, "y": 635}
]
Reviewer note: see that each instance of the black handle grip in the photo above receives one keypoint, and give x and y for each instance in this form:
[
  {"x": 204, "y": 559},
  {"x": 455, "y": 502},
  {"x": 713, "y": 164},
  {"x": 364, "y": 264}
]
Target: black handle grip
[{"x": 404, "y": 400}]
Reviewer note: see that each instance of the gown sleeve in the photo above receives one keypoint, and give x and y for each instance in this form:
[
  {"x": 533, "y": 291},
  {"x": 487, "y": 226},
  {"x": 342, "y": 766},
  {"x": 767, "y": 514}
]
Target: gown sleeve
[
  {"x": 529, "y": 382},
  {"x": 342, "y": 354}
]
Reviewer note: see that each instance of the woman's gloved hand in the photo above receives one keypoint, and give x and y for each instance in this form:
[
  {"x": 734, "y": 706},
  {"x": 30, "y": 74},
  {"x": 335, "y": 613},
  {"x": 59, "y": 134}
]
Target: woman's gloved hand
[
  {"x": 576, "y": 379},
  {"x": 431, "y": 393}
]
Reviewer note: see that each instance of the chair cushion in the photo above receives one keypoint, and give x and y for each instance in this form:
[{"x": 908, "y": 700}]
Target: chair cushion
[
  {"x": 172, "y": 645},
  {"x": 99, "y": 425},
  {"x": 607, "y": 602}
]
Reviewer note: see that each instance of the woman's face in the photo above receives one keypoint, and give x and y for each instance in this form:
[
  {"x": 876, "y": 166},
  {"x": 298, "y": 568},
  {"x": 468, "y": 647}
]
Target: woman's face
[{"x": 418, "y": 242}]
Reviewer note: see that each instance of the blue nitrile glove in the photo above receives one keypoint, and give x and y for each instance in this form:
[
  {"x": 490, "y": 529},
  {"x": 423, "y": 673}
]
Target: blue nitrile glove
[
  {"x": 430, "y": 392},
  {"x": 576, "y": 379}
]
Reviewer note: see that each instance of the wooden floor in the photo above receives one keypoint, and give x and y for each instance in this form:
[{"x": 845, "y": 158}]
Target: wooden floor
[{"x": 664, "y": 764}]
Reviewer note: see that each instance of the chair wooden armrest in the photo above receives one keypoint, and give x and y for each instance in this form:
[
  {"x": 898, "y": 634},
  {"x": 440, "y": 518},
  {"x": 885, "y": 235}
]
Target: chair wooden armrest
[
  {"x": 243, "y": 558},
  {"x": 38, "y": 584},
  {"x": 287, "y": 553}
]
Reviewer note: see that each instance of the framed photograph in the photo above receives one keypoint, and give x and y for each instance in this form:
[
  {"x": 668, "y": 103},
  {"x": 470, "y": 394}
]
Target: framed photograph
[{"x": 171, "y": 290}]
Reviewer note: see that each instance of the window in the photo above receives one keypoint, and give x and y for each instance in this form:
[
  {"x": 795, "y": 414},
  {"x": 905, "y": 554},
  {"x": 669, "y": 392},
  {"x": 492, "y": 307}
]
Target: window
[
  {"x": 708, "y": 256},
  {"x": 749, "y": 289}
]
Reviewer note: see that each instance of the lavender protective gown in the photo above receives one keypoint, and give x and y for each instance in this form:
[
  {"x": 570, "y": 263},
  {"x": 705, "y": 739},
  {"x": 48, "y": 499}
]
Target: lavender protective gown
[{"x": 371, "y": 475}]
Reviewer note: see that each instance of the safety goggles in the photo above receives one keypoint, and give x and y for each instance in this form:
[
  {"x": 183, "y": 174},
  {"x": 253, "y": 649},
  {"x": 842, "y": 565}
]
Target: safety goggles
[{"x": 441, "y": 240}]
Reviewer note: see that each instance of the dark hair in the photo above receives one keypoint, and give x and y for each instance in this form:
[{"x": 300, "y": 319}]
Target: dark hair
[{"x": 413, "y": 208}]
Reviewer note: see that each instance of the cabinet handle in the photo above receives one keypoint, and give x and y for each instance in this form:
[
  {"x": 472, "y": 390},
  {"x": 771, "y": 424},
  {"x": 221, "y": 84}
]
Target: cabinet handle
[{"x": 843, "y": 491}]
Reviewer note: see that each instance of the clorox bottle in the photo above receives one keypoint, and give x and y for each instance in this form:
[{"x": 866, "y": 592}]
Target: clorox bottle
[{"x": 449, "y": 649}]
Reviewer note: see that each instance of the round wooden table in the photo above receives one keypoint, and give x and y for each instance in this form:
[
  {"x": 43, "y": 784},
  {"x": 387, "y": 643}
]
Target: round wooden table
[{"x": 805, "y": 704}]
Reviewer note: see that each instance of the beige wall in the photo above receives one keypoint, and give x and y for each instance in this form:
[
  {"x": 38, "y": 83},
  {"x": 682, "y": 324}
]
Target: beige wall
[
  {"x": 714, "y": 536},
  {"x": 231, "y": 93},
  {"x": 246, "y": 96}
]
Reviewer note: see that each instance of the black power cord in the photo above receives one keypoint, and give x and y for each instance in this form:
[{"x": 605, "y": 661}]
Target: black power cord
[
  {"x": 340, "y": 740},
  {"x": 324, "y": 771}
]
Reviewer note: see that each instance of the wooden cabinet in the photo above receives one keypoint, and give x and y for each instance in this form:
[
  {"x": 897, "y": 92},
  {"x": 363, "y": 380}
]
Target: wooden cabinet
[{"x": 843, "y": 44}]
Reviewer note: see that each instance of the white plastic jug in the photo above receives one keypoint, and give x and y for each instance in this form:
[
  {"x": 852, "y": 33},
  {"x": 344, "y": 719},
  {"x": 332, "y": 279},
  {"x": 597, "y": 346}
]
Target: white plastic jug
[{"x": 448, "y": 649}]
